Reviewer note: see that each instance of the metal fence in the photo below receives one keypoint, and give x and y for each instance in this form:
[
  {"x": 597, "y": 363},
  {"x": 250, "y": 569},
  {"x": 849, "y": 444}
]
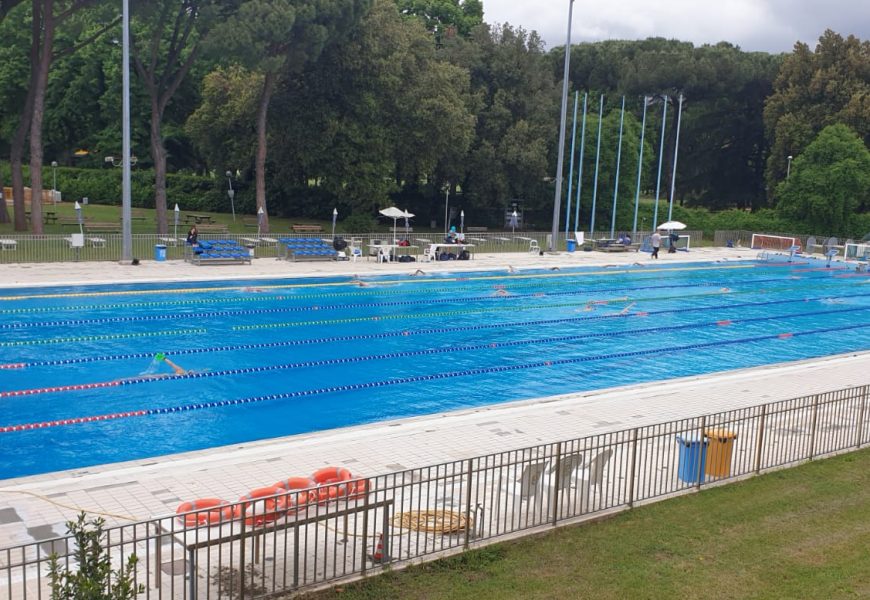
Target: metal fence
[
  {"x": 16, "y": 248},
  {"x": 283, "y": 543}
]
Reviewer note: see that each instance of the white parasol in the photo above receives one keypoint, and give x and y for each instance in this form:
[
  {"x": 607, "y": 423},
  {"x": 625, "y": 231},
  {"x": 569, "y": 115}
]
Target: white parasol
[
  {"x": 672, "y": 225},
  {"x": 395, "y": 214}
]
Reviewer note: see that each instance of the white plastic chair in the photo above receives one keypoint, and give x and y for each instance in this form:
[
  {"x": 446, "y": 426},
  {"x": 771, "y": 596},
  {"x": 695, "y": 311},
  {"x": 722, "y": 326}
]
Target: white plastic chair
[
  {"x": 594, "y": 476},
  {"x": 355, "y": 253},
  {"x": 529, "y": 480},
  {"x": 533, "y": 247}
]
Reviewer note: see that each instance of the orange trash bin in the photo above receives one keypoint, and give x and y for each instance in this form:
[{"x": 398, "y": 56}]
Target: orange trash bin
[{"x": 719, "y": 451}]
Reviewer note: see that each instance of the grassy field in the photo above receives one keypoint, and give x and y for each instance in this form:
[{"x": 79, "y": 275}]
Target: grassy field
[{"x": 798, "y": 533}]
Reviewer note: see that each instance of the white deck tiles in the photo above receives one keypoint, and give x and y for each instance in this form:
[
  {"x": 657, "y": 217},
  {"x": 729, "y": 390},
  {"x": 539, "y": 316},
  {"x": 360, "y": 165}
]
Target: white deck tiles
[{"x": 33, "y": 507}]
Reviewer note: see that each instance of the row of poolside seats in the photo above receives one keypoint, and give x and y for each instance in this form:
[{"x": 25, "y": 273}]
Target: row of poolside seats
[
  {"x": 296, "y": 249},
  {"x": 220, "y": 252}
]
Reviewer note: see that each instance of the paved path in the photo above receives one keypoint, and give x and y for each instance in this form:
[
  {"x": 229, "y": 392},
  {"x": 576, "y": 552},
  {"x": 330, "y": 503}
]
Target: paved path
[{"x": 35, "y": 508}]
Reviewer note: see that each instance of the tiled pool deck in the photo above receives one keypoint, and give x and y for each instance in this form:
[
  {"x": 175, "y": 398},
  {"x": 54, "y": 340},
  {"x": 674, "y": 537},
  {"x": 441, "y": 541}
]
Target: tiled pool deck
[{"x": 36, "y": 508}]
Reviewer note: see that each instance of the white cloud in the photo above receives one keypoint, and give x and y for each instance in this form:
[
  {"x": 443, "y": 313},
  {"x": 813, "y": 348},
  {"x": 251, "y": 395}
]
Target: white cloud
[{"x": 768, "y": 25}]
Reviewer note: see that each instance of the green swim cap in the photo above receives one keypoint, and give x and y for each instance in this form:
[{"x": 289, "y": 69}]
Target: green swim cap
[{"x": 159, "y": 356}]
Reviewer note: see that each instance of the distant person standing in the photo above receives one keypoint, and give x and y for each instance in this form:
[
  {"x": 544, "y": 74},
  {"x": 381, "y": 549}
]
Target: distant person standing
[
  {"x": 192, "y": 236},
  {"x": 656, "y": 241}
]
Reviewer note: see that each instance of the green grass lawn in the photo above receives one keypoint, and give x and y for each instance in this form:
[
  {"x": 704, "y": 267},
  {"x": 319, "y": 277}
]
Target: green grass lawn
[{"x": 798, "y": 533}]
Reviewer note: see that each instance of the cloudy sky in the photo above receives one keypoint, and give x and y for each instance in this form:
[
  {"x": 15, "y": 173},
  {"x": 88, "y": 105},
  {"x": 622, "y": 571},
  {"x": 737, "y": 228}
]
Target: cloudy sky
[{"x": 765, "y": 25}]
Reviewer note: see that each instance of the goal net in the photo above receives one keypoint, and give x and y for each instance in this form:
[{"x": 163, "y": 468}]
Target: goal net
[
  {"x": 774, "y": 242},
  {"x": 859, "y": 251}
]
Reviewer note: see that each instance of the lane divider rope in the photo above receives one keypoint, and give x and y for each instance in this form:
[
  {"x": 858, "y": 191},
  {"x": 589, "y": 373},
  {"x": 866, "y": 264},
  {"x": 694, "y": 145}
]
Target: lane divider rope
[
  {"x": 413, "y": 379},
  {"x": 408, "y": 353}
]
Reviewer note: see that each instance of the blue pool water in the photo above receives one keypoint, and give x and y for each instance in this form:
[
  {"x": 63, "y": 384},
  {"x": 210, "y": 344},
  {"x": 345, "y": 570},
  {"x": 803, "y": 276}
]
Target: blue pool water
[{"x": 274, "y": 358}]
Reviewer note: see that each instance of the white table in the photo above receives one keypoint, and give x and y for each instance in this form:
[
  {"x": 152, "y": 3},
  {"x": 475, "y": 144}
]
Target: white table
[
  {"x": 384, "y": 251},
  {"x": 8, "y": 244}
]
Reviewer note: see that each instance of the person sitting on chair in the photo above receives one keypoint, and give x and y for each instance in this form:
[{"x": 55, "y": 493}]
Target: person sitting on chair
[
  {"x": 450, "y": 238},
  {"x": 192, "y": 236}
]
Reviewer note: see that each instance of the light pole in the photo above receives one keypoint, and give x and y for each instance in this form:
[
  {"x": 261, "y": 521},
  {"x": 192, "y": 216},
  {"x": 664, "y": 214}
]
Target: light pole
[
  {"x": 231, "y": 193},
  {"x": 788, "y": 167},
  {"x": 446, "y": 204},
  {"x": 54, "y": 182},
  {"x": 557, "y": 200},
  {"x": 126, "y": 184}
]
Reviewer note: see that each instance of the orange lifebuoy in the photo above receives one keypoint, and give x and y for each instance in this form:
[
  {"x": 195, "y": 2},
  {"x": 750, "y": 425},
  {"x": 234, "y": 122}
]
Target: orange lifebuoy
[
  {"x": 299, "y": 483},
  {"x": 336, "y": 482},
  {"x": 273, "y": 508},
  {"x": 221, "y": 511}
]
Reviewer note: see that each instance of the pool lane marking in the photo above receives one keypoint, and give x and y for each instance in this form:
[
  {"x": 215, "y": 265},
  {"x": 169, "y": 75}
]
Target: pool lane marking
[
  {"x": 345, "y": 360},
  {"x": 356, "y": 282},
  {"x": 427, "y": 331},
  {"x": 99, "y": 338},
  {"x": 491, "y": 309},
  {"x": 369, "y": 293},
  {"x": 416, "y": 379},
  {"x": 423, "y": 301}
]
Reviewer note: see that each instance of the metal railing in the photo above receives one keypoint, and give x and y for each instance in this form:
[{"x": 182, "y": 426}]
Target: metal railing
[{"x": 306, "y": 538}]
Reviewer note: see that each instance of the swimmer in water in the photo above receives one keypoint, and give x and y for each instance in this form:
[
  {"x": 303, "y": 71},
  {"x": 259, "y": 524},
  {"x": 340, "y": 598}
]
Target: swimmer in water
[
  {"x": 725, "y": 290},
  {"x": 511, "y": 269},
  {"x": 418, "y": 272},
  {"x": 501, "y": 292},
  {"x": 554, "y": 268},
  {"x": 178, "y": 370},
  {"x": 627, "y": 308}
]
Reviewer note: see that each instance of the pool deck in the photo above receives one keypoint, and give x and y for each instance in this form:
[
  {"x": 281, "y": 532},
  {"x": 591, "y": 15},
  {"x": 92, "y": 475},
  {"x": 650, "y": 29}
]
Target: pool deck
[{"x": 36, "y": 508}]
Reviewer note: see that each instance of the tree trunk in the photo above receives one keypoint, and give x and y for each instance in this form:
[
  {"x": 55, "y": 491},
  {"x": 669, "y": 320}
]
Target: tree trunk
[
  {"x": 39, "y": 113},
  {"x": 16, "y": 150},
  {"x": 260, "y": 164},
  {"x": 158, "y": 155},
  {"x": 4, "y": 214}
]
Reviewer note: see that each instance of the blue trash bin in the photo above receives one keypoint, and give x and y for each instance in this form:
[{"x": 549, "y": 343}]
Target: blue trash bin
[
  {"x": 571, "y": 244},
  {"x": 692, "y": 450},
  {"x": 160, "y": 252}
]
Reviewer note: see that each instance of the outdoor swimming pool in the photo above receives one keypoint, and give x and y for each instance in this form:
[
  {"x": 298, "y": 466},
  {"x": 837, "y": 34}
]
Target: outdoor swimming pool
[{"x": 275, "y": 358}]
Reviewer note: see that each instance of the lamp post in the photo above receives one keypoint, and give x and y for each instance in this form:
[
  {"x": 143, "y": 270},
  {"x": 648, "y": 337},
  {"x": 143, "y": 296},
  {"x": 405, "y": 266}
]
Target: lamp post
[
  {"x": 446, "y": 204},
  {"x": 126, "y": 184},
  {"x": 231, "y": 193},
  {"x": 557, "y": 201},
  {"x": 54, "y": 182},
  {"x": 788, "y": 167}
]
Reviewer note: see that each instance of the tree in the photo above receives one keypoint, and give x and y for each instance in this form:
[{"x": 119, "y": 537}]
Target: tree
[
  {"x": 445, "y": 18},
  {"x": 815, "y": 89},
  {"x": 46, "y": 17},
  {"x": 95, "y": 579},
  {"x": 828, "y": 181},
  {"x": 164, "y": 46},
  {"x": 276, "y": 37}
]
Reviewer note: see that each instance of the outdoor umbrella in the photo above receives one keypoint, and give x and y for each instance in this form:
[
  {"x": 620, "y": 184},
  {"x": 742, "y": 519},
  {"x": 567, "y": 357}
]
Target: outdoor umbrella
[
  {"x": 514, "y": 222},
  {"x": 260, "y": 214},
  {"x": 672, "y": 225},
  {"x": 395, "y": 214},
  {"x": 461, "y": 221},
  {"x": 78, "y": 208},
  {"x": 177, "y": 212},
  {"x": 334, "y": 217}
]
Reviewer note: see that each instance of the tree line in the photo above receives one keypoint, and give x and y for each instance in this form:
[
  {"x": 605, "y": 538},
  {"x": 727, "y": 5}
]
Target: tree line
[{"x": 357, "y": 104}]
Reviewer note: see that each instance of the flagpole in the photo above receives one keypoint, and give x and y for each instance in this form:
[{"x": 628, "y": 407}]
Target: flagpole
[
  {"x": 597, "y": 161},
  {"x": 676, "y": 155},
  {"x": 571, "y": 163},
  {"x": 618, "y": 161},
  {"x": 580, "y": 165},
  {"x": 557, "y": 199},
  {"x": 639, "y": 169},
  {"x": 661, "y": 153}
]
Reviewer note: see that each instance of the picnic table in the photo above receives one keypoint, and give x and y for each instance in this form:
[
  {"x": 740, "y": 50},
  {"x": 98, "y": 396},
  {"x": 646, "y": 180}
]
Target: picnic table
[{"x": 193, "y": 218}]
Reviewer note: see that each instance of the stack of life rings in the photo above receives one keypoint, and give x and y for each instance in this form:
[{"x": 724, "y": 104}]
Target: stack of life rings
[{"x": 268, "y": 504}]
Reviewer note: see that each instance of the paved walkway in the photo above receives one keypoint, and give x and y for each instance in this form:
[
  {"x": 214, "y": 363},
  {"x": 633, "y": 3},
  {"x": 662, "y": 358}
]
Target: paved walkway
[{"x": 35, "y": 508}]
